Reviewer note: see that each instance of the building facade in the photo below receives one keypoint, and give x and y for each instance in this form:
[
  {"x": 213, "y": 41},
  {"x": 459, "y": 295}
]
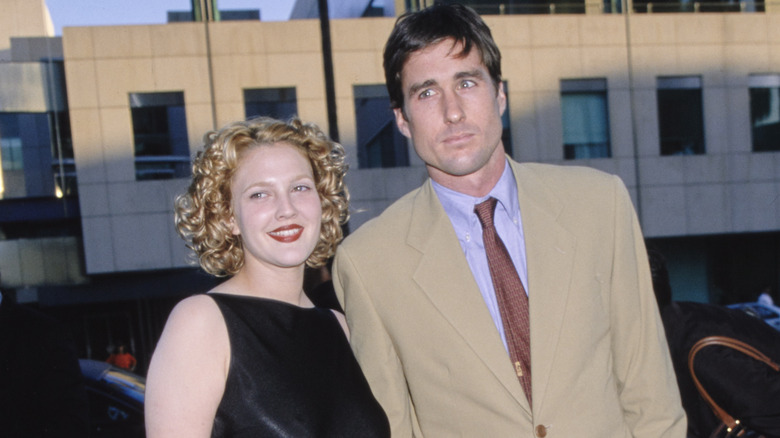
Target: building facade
[{"x": 684, "y": 107}]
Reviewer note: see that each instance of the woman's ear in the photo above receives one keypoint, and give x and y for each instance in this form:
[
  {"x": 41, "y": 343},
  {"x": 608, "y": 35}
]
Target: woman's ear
[{"x": 234, "y": 226}]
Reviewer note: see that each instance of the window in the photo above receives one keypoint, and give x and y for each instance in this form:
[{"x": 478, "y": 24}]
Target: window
[
  {"x": 63, "y": 163},
  {"x": 585, "y": 119},
  {"x": 25, "y": 154},
  {"x": 279, "y": 103},
  {"x": 680, "y": 117},
  {"x": 10, "y": 142},
  {"x": 160, "y": 135},
  {"x": 506, "y": 123},
  {"x": 765, "y": 112},
  {"x": 380, "y": 144}
]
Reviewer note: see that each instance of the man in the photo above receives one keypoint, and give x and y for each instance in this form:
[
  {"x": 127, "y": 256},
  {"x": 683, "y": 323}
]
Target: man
[{"x": 422, "y": 305}]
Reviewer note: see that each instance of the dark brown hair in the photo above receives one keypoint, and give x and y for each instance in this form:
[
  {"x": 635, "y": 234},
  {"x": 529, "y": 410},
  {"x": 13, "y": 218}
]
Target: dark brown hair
[{"x": 415, "y": 31}]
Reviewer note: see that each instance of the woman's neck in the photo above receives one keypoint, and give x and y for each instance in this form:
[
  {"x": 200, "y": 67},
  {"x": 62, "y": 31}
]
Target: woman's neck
[{"x": 282, "y": 284}]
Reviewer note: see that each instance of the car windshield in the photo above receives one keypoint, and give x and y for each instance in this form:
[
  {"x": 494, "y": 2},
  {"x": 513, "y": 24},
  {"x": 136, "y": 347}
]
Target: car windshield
[{"x": 130, "y": 384}]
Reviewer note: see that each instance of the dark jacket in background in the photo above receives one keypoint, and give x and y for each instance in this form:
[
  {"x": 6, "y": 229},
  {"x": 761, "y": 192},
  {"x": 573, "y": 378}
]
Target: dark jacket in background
[
  {"x": 746, "y": 388},
  {"x": 41, "y": 388}
]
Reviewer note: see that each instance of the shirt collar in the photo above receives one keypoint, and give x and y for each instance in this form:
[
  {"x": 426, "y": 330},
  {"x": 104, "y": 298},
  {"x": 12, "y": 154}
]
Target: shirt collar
[{"x": 460, "y": 207}]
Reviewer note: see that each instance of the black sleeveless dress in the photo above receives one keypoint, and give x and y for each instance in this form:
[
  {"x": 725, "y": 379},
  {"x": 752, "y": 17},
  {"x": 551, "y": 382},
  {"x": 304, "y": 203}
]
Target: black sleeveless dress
[{"x": 292, "y": 374}]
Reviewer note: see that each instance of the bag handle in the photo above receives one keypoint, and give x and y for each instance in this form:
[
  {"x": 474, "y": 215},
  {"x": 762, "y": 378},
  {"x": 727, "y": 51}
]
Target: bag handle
[{"x": 738, "y": 345}]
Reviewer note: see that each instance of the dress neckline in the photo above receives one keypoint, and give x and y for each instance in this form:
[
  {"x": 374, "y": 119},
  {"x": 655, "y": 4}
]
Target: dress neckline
[{"x": 264, "y": 299}]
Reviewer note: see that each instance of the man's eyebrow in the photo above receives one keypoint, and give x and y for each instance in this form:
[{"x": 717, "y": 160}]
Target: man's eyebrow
[{"x": 476, "y": 73}]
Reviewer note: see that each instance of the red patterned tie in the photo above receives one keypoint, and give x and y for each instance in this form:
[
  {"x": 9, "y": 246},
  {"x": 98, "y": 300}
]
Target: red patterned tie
[{"x": 510, "y": 293}]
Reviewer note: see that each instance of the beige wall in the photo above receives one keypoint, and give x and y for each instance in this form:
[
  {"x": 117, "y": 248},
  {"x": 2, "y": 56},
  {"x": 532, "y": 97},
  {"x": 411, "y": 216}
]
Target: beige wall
[
  {"x": 21, "y": 18},
  {"x": 128, "y": 224}
]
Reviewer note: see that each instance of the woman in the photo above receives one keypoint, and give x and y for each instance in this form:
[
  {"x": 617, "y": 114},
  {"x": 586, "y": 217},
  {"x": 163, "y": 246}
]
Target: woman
[{"x": 253, "y": 357}]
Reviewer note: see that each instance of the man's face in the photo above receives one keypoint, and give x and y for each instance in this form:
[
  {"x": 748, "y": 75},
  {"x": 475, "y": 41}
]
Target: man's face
[{"x": 452, "y": 111}]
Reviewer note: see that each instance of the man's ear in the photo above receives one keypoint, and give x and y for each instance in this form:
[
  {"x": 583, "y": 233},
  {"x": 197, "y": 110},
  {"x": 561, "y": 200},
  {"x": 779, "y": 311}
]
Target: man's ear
[
  {"x": 501, "y": 98},
  {"x": 402, "y": 122}
]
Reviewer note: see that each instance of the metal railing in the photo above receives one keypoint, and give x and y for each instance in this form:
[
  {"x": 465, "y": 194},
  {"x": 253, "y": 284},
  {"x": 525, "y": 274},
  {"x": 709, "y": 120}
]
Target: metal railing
[{"x": 615, "y": 7}]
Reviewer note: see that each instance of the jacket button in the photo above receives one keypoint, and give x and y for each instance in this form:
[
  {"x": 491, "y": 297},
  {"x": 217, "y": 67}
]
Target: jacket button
[{"x": 541, "y": 431}]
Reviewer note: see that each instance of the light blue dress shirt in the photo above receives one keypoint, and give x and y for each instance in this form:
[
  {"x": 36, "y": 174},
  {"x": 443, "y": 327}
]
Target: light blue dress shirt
[{"x": 460, "y": 209}]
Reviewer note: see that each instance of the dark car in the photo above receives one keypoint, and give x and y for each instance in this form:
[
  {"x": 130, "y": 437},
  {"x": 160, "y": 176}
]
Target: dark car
[
  {"x": 116, "y": 400},
  {"x": 766, "y": 311}
]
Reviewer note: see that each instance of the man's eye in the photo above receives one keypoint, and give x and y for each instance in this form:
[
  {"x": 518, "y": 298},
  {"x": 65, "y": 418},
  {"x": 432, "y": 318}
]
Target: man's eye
[
  {"x": 426, "y": 93},
  {"x": 468, "y": 84}
]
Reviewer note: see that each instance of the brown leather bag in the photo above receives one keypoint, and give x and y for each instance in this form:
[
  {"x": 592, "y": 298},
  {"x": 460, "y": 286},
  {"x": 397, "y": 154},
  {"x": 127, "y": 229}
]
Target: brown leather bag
[{"x": 730, "y": 426}]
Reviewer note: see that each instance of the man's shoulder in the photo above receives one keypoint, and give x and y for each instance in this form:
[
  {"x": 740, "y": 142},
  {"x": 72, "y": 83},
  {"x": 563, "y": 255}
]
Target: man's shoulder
[
  {"x": 566, "y": 174},
  {"x": 568, "y": 184},
  {"x": 386, "y": 226}
]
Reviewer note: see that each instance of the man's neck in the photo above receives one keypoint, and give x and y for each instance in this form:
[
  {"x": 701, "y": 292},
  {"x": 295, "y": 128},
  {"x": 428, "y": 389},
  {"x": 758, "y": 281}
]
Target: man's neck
[{"x": 477, "y": 184}]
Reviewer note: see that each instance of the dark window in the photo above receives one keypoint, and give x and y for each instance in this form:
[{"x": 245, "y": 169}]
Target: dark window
[
  {"x": 585, "y": 119},
  {"x": 666, "y": 6},
  {"x": 11, "y": 142},
  {"x": 765, "y": 112},
  {"x": 380, "y": 144},
  {"x": 160, "y": 135},
  {"x": 63, "y": 164},
  {"x": 512, "y": 7},
  {"x": 506, "y": 123},
  {"x": 279, "y": 103},
  {"x": 680, "y": 116}
]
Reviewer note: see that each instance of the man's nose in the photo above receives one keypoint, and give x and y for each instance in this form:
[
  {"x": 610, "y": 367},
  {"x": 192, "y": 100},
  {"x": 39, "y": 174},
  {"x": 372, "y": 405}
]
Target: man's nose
[{"x": 453, "y": 108}]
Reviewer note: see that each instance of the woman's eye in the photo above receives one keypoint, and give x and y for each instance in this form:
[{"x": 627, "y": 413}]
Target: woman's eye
[
  {"x": 258, "y": 195},
  {"x": 301, "y": 188}
]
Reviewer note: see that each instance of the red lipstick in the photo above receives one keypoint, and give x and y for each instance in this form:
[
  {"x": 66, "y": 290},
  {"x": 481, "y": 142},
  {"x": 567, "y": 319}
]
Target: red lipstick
[{"x": 287, "y": 233}]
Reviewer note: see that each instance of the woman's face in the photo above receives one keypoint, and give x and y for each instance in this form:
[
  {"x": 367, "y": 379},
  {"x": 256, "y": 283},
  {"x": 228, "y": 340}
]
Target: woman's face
[{"x": 276, "y": 207}]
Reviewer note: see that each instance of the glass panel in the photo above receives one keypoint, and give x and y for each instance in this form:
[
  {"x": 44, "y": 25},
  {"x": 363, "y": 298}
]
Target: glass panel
[
  {"x": 680, "y": 116},
  {"x": 63, "y": 163},
  {"x": 380, "y": 144},
  {"x": 10, "y": 142},
  {"x": 661, "y": 6},
  {"x": 585, "y": 119},
  {"x": 765, "y": 112},
  {"x": 506, "y": 123},
  {"x": 279, "y": 103},
  {"x": 26, "y": 156},
  {"x": 160, "y": 135}
]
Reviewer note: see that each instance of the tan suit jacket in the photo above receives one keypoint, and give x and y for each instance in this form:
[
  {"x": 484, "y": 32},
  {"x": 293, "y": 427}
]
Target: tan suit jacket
[{"x": 432, "y": 354}]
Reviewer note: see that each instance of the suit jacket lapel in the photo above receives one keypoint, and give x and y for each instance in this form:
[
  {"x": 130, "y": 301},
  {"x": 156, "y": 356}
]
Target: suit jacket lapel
[
  {"x": 550, "y": 252},
  {"x": 445, "y": 277}
]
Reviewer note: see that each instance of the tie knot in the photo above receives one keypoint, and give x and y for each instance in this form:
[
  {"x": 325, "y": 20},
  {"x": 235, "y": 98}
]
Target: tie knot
[{"x": 485, "y": 211}]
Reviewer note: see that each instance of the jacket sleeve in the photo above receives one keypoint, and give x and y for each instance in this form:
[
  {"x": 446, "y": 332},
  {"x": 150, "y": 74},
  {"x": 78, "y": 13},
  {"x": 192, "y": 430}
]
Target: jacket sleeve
[
  {"x": 647, "y": 383},
  {"x": 374, "y": 347}
]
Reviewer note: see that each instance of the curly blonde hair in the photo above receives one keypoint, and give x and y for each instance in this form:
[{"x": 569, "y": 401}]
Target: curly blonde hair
[{"x": 203, "y": 213}]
